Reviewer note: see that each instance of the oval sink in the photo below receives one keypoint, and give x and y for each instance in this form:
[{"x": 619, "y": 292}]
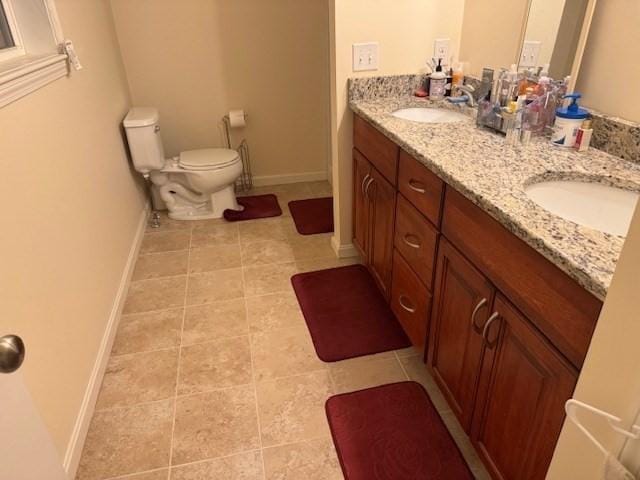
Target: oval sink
[
  {"x": 602, "y": 207},
  {"x": 429, "y": 115}
]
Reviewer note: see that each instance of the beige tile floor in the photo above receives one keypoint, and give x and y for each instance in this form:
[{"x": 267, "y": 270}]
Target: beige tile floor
[{"x": 213, "y": 374}]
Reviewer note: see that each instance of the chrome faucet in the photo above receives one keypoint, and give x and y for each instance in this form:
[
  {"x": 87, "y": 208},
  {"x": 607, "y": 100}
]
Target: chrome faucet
[{"x": 466, "y": 98}]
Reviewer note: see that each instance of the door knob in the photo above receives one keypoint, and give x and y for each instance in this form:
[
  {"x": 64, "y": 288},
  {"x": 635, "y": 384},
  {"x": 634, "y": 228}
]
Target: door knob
[{"x": 11, "y": 353}]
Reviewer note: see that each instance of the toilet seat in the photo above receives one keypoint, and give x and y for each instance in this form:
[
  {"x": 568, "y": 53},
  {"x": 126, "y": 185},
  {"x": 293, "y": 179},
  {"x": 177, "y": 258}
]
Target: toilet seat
[{"x": 208, "y": 159}]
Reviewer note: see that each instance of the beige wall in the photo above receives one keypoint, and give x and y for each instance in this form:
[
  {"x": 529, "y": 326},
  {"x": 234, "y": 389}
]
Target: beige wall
[
  {"x": 609, "y": 378},
  {"x": 197, "y": 59},
  {"x": 610, "y": 70},
  {"x": 491, "y": 33},
  {"x": 71, "y": 208},
  {"x": 405, "y": 30},
  {"x": 542, "y": 26}
]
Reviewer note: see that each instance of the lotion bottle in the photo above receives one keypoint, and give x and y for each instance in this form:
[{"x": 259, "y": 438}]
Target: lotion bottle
[{"x": 438, "y": 83}]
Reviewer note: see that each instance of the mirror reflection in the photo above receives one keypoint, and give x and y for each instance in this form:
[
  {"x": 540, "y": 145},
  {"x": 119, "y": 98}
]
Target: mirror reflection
[{"x": 534, "y": 34}]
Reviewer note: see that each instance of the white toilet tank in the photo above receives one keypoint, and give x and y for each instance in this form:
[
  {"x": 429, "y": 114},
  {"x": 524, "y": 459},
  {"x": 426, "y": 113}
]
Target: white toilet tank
[{"x": 143, "y": 135}]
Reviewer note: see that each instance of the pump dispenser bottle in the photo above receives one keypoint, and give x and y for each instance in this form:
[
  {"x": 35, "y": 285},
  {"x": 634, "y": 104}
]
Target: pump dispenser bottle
[{"x": 438, "y": 82}]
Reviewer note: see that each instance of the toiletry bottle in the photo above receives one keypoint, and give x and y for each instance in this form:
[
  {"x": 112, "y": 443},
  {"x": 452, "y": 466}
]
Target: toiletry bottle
[
  {"x": 568, "y": 121},
  {"x": 457, "y": 75},
  {"x": 583, "y": 138},
  {"x": 437, "y": 84}
]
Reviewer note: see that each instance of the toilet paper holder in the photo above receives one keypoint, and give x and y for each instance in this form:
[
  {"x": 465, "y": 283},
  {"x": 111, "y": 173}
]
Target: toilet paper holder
[{"x": 245, "y": 182}]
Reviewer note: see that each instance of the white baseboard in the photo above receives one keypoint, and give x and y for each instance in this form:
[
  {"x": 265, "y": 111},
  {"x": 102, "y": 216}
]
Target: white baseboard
[
  {"x": 344, "y": 251},
  {"x": 83, "y": 420},
  {"x": 268, "y": 180}
]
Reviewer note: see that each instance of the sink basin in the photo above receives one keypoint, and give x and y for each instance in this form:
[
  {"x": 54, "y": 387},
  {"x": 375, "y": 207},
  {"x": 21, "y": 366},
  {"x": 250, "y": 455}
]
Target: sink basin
[
  {"x": 429, "y": 115},
  {"x": 602, "y": 207}
]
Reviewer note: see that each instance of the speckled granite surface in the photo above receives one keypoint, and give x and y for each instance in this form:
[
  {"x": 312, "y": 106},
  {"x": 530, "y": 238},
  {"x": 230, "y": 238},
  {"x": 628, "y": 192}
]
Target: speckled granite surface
[
  {"x": 613, "y": 135},
  {"x": 493, "y": 175}
]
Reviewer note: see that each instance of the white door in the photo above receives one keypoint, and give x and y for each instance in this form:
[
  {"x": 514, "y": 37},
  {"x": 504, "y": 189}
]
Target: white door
[{"x": 26, "y": 449}]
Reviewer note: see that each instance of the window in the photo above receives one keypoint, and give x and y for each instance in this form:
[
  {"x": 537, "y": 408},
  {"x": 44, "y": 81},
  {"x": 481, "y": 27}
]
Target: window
[
  {"x": 6, "y": 37},
  {"x": 10, "y": 42},
  {"x": 31, "y": 47}
]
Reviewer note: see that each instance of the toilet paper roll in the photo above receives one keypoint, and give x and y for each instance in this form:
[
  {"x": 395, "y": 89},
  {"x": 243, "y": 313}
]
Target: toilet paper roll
[{"x": 237, "y": 119}]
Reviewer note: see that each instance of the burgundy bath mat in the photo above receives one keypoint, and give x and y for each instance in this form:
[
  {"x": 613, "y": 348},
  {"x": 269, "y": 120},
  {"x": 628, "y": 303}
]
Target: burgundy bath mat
[
  {"x": 257, "y": 206},
  {"x": 312, "y": 216},
  {"x": 346, "y": 314},
  {"x": 393, "y": 432}
]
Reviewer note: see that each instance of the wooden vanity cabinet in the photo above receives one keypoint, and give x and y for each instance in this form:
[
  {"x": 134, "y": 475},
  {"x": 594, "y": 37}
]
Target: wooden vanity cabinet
[
  {"x": 462, "y": 302},
  {"x": 524, "y": 383},
  {"x": 374, "y": 217},
  {"x": 506, "y": 330},
  {"x": 361, "y": 175},
  {"x": 410, "y": 301}
]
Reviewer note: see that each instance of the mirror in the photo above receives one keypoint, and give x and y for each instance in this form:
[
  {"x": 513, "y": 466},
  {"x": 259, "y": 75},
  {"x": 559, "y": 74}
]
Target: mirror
[
  {"x": 552, "y": 35},
  {"x": 530, "y": 33}
]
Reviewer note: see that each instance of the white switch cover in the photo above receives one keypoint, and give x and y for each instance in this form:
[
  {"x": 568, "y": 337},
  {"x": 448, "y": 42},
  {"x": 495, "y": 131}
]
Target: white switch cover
[
  {"x": 365, "y": 56},
  {"x": 441, "y": 50},
  {"x": 530, "y": 53}
]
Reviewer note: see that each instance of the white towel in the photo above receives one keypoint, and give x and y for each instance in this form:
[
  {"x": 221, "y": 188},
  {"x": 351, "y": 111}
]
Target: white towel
[{"x": 614, "y": 470}]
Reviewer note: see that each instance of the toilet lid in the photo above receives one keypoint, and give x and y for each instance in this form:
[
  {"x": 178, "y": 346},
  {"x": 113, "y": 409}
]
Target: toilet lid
[{"x": 207, "y": 158}]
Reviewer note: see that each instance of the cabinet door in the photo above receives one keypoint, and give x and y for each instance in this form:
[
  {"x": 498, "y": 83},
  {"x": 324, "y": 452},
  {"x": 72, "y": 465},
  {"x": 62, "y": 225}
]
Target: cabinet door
[
  {"x": 382, "y": 196},
  {"x": 462, "y": 301},
  {"x": 523, "y": 387},
  {"x": 361, "y": 175}
]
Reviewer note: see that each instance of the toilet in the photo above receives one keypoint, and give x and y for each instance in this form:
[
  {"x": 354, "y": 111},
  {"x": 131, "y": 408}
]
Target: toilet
[{"x": 197, "y": 184}]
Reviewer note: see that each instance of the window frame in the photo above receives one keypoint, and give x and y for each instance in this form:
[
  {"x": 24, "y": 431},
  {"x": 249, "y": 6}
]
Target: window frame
[
  {"x": 22, "y": 74},
  {"x": 18, "y": 49}
]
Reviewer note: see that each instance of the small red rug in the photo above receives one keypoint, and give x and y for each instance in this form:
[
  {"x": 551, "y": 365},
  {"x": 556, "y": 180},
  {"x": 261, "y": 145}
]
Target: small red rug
[
  {"x": 256, "y": 206},
  {"x": 346, "y": 313},
  {"x": 393, "y": 432},
  {"x": 312, "y": 216}
]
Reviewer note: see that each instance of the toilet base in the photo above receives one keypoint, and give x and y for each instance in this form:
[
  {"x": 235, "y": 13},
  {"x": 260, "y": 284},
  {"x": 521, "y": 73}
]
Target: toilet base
[{"x": 224, "y": 199}]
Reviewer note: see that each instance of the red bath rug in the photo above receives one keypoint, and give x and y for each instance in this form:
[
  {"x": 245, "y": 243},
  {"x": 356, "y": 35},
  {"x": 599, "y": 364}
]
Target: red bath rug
[
  {"x": 257, "y": 206},
  {"x": 346, "y": 313},
  {"x": 393, "y": 432},
  {"x": 312, "y": 216}
]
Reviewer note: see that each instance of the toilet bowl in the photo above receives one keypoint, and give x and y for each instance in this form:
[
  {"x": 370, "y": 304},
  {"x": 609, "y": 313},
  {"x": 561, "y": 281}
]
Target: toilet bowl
[{"x": 197, "y": 184}]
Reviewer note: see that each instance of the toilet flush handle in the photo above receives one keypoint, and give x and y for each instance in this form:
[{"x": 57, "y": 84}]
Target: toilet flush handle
[{"x": 156, "y": 129}]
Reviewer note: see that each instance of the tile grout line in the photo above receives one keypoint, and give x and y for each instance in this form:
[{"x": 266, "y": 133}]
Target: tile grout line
[
  {"x": 395, "y": 353},
  {"x": 175, "y": 397},
  {"x": 253, "y": 373}
]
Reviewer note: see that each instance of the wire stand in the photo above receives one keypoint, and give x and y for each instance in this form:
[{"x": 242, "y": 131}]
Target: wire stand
[{"x": 245, "y": 181}]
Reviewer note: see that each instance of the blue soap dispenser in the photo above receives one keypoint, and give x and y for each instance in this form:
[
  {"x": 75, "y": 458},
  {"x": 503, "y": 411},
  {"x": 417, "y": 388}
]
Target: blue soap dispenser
[{"x": 568, "y": 121}]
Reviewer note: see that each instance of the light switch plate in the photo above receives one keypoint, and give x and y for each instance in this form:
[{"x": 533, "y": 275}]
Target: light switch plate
[
  {"x": 441, "y": 50},
  {"x": 530, "y": 53},
  {"x": 365, "y": 56}
]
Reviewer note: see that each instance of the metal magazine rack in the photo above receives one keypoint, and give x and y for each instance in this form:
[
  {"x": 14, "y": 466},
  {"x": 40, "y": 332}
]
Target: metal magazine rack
[{"x": 245, "y": 182}]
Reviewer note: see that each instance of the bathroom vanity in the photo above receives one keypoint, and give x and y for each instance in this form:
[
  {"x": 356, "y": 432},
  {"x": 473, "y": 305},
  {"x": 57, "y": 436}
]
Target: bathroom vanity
[{"x": 502, "y": 295}]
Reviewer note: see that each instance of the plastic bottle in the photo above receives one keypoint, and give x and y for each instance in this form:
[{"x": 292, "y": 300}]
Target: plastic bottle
[
  {"x": 438, "y": 82},
  {"x": 568, "y": 121}
]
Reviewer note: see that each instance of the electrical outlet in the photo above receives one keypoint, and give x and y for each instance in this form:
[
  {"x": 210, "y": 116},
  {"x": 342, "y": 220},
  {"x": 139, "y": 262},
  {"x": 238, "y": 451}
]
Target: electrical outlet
[
  {"x": 441, "y": 50},
  {"x": 365, "y": 56},
  {"x": 530, "y": 53}
]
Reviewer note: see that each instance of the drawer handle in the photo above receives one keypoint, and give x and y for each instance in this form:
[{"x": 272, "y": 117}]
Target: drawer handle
[
  {"x": 364, "y": 180},
  {"x": 366, "y": 188},
  {"x": 416, "y": 186},
  {"x": 480, "y": 304},
  {"x": 409, "y": 240},
  {"x": 404, "y": 305},
  {"x": 485, "y": 331}
]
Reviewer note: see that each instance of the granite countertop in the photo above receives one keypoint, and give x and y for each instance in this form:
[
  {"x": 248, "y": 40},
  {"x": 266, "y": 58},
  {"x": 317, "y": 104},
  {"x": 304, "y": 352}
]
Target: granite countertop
[{"x": 492, "y": 175}]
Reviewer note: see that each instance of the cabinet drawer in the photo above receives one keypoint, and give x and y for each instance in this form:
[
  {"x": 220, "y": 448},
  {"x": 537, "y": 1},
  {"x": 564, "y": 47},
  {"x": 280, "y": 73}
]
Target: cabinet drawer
[
  {"x": 410, "y": 301},
  {"x": 421, "y": 187},
  {"x": 378, "y": 149},
  {"x": 416, "y": 239},
  {"x": 555, "y": 303}
]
